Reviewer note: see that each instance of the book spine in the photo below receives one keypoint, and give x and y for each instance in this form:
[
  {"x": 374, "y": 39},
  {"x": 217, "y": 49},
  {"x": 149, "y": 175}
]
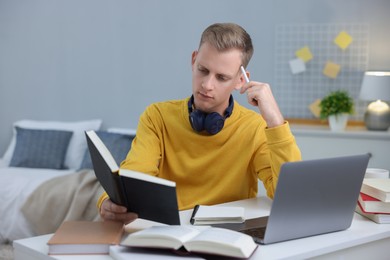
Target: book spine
[{"x": 122, "y": 188}]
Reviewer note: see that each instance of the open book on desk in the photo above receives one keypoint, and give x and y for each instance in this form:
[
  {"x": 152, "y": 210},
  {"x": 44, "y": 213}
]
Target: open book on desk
[
  {"x": 206, "y": 240},
  {"x": 152, "y": 198}
]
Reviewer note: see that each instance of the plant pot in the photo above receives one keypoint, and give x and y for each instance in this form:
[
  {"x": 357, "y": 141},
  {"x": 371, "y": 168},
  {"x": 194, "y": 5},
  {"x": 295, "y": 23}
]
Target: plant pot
[{"x": 338, "y": 122}]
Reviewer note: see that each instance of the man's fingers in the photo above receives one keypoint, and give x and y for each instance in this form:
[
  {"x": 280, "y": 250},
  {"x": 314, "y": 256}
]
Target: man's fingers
[
  {"x": 130, "y": 216},
  {"x": 125, "y": 217},
  {"x": 245, "y": 87},
  {"x": 117, "y": 208},
  {"x": 108, "y": 205},
  {"x": 114, "y": 212},
  {"x": 252, "y": 100}
]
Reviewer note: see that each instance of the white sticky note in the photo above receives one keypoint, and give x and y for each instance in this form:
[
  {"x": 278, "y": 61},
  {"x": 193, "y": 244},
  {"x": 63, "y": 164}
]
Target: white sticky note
[{"x": 297, "y": 66}]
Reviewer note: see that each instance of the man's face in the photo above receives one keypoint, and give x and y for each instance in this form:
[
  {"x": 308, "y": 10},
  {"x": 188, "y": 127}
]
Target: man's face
[{"x": 214, "y": 76}]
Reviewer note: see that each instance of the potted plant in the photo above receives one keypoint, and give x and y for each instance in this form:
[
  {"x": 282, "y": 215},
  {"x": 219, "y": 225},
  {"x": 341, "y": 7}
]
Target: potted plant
[{"x": 336, "y": 107}]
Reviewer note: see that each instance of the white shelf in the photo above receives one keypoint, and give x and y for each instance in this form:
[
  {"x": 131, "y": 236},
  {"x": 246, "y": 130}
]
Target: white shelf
[
  {"x": 350, "y": 132},
  {"x": 320, "y": 142}
]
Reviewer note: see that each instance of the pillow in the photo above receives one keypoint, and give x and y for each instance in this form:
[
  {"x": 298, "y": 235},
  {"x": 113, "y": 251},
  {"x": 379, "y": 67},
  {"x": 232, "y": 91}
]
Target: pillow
[
  {"x": 40, "y": 148},
  {"x": 118, "y": 145},
  {"x": 125, "y": 131},
  {"x": 77, "y": 144}
]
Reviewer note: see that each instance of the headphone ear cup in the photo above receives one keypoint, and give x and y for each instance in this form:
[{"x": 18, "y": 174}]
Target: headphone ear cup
[
  {"x": 213, "y": 123},
  {"x": 197, "y": 118}
]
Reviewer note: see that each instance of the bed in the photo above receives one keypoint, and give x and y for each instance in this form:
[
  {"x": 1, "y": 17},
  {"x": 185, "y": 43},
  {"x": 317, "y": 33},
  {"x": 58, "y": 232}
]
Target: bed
[{"x": 46, "y": 175}]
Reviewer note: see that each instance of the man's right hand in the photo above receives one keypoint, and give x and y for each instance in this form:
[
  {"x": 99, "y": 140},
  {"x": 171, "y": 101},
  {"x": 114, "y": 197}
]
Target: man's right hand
[{"x": 114, "y": 212}]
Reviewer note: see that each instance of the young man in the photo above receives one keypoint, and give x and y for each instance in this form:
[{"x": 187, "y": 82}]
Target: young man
[{"x": 211, "y": 146}]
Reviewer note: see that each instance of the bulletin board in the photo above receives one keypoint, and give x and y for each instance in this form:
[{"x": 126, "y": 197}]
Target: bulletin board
[{"x": 296, "y": 91}]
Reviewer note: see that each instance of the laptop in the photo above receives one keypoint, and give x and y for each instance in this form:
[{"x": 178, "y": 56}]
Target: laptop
[{"x": 312, "y": 197}]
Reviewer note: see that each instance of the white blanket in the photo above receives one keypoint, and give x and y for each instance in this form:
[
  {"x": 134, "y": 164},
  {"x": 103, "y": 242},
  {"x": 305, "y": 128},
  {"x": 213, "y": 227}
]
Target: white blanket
[{"x": 16, "y": 185}]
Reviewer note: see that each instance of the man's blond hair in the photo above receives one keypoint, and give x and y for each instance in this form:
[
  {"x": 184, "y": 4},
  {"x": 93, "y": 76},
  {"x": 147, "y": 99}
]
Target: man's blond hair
[{"x": 225, "y": 36}]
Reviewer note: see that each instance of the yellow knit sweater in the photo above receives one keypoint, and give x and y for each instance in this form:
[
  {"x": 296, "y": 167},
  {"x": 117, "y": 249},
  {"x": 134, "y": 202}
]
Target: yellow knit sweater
[{"x": 210, "y": 169}]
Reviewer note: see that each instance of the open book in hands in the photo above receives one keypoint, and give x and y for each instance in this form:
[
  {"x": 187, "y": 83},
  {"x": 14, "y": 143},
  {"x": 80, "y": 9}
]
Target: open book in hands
[
  {"x": 150, "y": 197},
  {"x": 208, "y": 240}
]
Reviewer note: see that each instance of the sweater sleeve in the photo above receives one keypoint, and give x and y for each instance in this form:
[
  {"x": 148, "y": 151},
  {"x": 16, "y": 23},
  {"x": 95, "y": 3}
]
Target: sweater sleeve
[
  {"x": 101, "y": 199},
  {"x": 146, "y": 150},
  {"x": 281, "y": 147},
  {"x": 145, "y": 153}
]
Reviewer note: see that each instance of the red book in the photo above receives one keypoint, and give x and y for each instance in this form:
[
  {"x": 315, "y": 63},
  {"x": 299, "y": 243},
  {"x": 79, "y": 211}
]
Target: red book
[
  {"x": 376, "y": 217},
  {"x": 372, "y": 205}
]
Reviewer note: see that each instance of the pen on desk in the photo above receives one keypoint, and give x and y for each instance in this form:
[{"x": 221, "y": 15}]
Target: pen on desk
[{"x": 244, "y": 73}]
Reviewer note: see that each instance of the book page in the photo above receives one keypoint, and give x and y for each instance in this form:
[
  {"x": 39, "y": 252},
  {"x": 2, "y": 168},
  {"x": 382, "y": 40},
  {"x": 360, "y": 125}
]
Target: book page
[
  {"x": 223, "y": 242},
  {"x": 146, "y": 177},
  {"x": 161, "y": 236},
  {"x": 103, "y": 150},
  {"x": 220, "y": 235},
  {"x": 379, "y": 184},
  {"x": 181, "y": 233}
]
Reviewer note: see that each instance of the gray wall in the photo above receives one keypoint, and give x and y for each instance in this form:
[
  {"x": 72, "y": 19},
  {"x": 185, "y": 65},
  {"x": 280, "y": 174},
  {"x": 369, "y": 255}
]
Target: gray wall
[{"x": 84, "y": 59}]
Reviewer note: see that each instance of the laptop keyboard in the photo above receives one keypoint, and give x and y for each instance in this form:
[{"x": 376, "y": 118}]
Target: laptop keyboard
[{"x": 257, "y": 232}]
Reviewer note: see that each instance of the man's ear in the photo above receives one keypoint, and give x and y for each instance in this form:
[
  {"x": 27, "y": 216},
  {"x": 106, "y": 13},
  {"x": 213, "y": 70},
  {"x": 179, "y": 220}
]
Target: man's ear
[
  {"x": 193, "y": 57},
  {"x": 242, "y": 81}
]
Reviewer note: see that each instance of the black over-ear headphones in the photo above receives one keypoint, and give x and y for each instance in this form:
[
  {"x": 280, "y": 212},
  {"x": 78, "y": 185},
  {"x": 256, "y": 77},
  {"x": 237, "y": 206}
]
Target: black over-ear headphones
[{"x": 213, "y": 122}]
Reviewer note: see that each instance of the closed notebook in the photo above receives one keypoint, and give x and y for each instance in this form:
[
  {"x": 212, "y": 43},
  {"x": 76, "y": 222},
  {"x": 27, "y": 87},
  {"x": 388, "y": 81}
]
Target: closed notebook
[
  {"x": 85, "y": 237},
  {"x": 208, "y": 215}
]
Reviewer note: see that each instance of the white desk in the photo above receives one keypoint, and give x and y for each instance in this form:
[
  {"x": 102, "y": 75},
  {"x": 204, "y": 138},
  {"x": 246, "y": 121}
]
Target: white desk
[{"x": 363, "y": 240}]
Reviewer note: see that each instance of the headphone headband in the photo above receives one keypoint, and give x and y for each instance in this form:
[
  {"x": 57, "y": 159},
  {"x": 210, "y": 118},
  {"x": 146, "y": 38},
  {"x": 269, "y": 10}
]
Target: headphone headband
[
  {"x": 227, "y": 113},
  {"x": 211, "y": 122}
]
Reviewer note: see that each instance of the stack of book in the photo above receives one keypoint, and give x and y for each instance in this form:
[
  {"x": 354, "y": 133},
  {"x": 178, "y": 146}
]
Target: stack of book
[
  {"x": 85, "y": 237},
  {"x": 374, "y": 200}
]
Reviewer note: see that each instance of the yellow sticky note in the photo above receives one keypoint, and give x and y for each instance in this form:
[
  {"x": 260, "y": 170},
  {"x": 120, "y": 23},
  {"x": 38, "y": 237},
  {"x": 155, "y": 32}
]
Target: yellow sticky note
[
  {"x": 315, "y": 108},
  {"x": 331, "y": 70},
  {"x": 304, "y": 54},
  {"x": 343, "y": 40}
]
